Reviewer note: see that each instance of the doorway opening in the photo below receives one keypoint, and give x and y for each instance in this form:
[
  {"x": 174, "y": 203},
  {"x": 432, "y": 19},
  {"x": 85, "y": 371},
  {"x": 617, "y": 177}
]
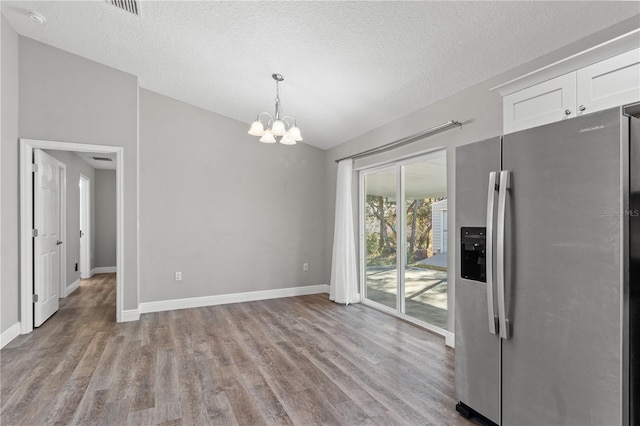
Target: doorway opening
[
  {"x": 27, "y": 239},
  {"x": 403, "y": 229}
]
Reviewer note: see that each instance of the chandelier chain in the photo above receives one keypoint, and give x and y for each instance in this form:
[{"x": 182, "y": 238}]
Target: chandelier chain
[{"x": 278, "y": 103}]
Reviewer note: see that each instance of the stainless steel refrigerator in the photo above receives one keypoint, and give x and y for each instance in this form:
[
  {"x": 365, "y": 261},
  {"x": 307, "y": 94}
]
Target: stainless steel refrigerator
[{"x": 547, "y": 279}]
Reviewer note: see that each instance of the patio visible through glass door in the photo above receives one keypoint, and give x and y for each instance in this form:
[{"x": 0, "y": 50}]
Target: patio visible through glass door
[
  {"x": 425, "y": 242},
  {"x": 381, "y": 264},
  {"x": 415, "y": 269}
]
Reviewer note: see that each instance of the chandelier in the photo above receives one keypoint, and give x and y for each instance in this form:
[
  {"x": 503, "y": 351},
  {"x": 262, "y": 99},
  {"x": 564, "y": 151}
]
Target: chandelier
[{"x": 278, "y": 129}]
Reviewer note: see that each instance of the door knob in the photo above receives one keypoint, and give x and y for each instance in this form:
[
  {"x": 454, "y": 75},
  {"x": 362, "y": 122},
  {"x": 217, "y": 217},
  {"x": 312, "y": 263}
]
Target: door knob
[{"x": 58, "y": 242}]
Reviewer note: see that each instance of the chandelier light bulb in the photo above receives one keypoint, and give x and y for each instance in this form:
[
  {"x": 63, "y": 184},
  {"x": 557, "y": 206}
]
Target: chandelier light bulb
[
  {"x": 268, "y": 137},
  {"x": 257, "y": 129},
  {"x": 294, "y": 133},
  {"x": 278, "y": 128},
  {"x": 287, "y": 140}
]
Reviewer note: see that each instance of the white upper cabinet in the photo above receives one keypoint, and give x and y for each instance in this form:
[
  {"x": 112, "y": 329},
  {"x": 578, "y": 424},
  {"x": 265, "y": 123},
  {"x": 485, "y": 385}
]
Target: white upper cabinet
[
  {"x": 604, "y": 76},
  {"x": 608, "y": 83},
  {"x": 553, "y": 100}
]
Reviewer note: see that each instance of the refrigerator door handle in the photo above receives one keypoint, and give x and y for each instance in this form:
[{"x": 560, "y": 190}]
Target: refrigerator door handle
[
  {"x": 491, "y": 309},
  {"x": 502, "y": 204}
]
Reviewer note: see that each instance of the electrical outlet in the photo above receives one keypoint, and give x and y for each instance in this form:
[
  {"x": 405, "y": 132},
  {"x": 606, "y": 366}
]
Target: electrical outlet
[
  {"x": 305, "y": 267},
  {"x": 178, "y": 276}
]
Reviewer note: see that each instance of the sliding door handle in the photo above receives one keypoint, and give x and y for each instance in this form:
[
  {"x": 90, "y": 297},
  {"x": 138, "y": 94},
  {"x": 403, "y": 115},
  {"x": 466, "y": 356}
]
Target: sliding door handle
[
  {"x": 491, "y": 309},
  {"x": 500, "y": 243}
]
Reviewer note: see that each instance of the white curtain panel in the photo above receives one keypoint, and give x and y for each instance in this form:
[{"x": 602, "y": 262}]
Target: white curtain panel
[{"x": 344, "y": 275}]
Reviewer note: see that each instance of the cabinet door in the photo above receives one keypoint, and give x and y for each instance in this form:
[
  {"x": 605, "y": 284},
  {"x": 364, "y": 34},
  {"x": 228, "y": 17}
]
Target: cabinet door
[
  {"x": 553, "y": 100},
  {"x": 609, "y": 83}
]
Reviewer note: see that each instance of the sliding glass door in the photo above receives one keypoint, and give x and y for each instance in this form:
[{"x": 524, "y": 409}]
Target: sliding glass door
[{"x": 404, "y": 238}]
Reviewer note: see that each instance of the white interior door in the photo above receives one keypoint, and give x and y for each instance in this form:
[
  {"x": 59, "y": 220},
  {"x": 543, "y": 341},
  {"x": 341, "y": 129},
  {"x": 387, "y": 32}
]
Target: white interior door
[
  {"x": 47, "y": 243},
  {"x": 85, "y": 227}
]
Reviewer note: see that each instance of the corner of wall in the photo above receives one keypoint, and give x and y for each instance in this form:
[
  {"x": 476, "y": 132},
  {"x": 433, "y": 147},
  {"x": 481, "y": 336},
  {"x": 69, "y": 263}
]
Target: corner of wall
[
  {"x": 9, "y": 213},
  {"x": 138, "y": 193}
]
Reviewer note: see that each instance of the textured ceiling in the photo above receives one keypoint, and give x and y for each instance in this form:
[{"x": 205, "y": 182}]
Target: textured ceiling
[{"x": 349, "y": 67}]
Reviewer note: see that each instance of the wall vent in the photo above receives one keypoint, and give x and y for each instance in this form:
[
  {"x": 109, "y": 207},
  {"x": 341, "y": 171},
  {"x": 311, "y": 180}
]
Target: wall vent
[
  {"x": 102, "y": 158},
  {"x": 131, "y": 6}
]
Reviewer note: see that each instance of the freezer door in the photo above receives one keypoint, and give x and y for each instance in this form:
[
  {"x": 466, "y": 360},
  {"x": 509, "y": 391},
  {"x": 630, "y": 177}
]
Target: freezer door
[
  {"x": 561, "y": 364},
  {"x": 477, "y": 360}
]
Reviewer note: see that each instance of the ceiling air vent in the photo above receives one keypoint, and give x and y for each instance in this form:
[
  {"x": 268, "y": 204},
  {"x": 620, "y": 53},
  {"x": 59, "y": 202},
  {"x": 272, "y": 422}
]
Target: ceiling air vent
[
  {"x": 102, "y": 158},
  {"x": 131, "y": 6}
]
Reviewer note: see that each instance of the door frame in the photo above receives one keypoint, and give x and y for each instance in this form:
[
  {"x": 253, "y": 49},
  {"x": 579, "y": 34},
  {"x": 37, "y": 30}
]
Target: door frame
[
  {"x": 398, "y": 166},
  {"x": 26, "y": 205},
  {"x": 85, "y": 207}
]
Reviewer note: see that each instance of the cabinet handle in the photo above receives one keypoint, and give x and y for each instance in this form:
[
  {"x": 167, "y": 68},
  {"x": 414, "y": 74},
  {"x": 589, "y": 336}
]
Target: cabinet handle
[
  {"x": 582, "y": 108},
  {"x": 567, "y": 112}
]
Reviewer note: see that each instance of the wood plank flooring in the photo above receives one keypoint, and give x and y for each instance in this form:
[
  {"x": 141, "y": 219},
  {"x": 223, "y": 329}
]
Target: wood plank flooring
[{"x": 300, "y": 360}]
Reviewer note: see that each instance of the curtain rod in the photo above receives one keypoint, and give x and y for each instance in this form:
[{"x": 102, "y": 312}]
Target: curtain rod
[{"x": 404, "y": 141}]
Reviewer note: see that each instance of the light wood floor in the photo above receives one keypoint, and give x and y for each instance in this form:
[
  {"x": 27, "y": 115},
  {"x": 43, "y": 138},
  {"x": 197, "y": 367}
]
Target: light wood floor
[{"x": 300, "y": 360}]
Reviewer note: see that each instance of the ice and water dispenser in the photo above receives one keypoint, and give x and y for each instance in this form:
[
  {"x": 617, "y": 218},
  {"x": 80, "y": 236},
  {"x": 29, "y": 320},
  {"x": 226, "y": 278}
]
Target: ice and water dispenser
[{"x": 473, "y": 241}]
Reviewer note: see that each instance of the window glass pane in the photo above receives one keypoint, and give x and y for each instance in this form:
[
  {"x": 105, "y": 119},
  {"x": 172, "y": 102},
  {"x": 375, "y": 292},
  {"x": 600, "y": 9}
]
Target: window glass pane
[
  {"x": 380, "y": 237},
  {"x": 425, "y": 269}
]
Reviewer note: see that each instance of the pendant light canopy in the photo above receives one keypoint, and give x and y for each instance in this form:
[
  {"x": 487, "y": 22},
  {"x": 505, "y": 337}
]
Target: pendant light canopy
[{"x": 277, "y": 128}]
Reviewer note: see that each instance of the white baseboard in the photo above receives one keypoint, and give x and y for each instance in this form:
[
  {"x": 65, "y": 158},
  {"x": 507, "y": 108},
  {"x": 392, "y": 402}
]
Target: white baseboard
[
  {"x": 130, "y": 315},
  {"x": 70, "y": 289},
  {"x": 9, "y": 334},
  {"x": 450, "y": 339},
  {"x": 222, "y": 299},
  {"x": 103, "y": 270}
]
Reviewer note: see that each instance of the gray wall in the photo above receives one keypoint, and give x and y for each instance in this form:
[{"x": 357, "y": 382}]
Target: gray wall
[
  {"x": 9, "y": 222},
  {"x": 232, "y": 214},
  {"x": 76, "y": 166},
  {"x": 64, "y": 97},
  {"x": 105, "y": 219},
  {"x": 480, "y": 111}
]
